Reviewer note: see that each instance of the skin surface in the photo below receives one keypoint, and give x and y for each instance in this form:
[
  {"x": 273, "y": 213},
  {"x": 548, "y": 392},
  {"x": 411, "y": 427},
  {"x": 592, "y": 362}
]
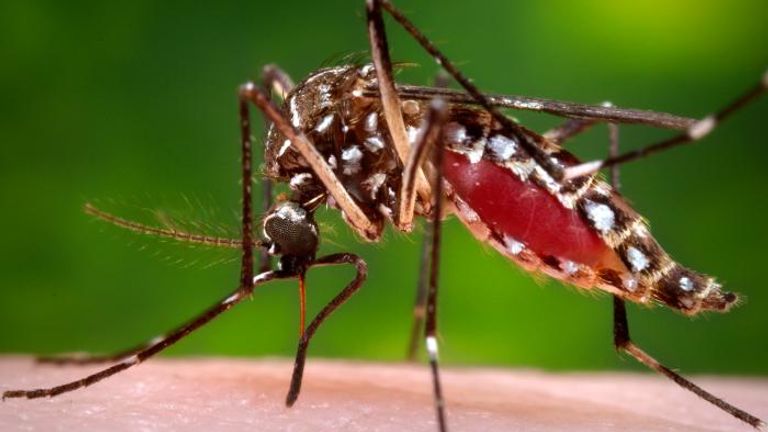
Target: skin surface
[{"x": 229, "y": 394}]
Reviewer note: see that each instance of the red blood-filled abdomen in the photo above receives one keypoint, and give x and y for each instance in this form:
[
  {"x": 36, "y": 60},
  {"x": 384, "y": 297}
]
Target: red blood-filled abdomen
[{"x": 525, "y": 212}]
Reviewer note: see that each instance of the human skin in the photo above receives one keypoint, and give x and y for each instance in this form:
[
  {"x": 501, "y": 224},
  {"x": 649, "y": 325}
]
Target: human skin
[{"x": 238, "y": 394}]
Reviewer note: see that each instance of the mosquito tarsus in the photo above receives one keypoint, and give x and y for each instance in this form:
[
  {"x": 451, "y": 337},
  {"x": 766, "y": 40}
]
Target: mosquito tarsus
[{"x": 349, "y": 137}]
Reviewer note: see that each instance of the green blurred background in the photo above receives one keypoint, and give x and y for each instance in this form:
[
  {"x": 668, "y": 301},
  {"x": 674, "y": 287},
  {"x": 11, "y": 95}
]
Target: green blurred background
[{"x": 135, "y": 103}]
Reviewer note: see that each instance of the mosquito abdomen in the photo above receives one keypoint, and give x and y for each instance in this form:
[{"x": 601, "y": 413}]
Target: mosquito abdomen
[
  {"x": 578, "y": 231},
  {"x": 521, "y": 212}
]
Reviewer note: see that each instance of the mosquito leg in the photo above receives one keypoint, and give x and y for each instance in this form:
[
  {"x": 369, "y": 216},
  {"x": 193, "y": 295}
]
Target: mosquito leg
[
  {"x": 529, "y": 142},
  {"x": 389, "y": 99},
  {"x": 433, "y": 123},
  {"x": 246, "y": 160},
  {"x": 623, "y": 343},
  {"x": 559, "y": 108},
  {"x": 430, "y": 327},
  {"x": 343, "y": 296},
  {"x": 154, "y": 348},
  {"x": 441, "y": 80},
  {"x": 568, "y": 129},
  {"x": 353, "y": 212},
  {"x": 695, "y": 132},
  {"x": 275, "y": 82},
  {"x": 86, "y": 359},
  {"x": 425, "y": 308},
  {"x": 575, "y": 126},
  {"x": 420, "y": 303},
  {"x": 613, "y": 149}
]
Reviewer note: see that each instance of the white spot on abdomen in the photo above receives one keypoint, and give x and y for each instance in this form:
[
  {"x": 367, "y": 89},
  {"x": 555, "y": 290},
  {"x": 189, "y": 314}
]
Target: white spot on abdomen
[
  {"x": 466, "y": 211},
  {"x": 637, "y": 260},
  {"x": 502, "y": 147},
  {"x": 455, "y": 133},
  {"x": 513, "y": 246},
  {"x": 629, "y": 282},
  {"x": 686, "y": 284},
  {"x": 475, "y": 153},
  {"x": 522, "y": 169},
  {"x": 601, "y": 215},
  {"x": 569, "y": 267},
  {"x": 550, "y": 184}
]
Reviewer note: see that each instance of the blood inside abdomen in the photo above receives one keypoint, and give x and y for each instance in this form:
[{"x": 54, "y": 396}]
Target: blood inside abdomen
[{"x": 525, "y": 212}]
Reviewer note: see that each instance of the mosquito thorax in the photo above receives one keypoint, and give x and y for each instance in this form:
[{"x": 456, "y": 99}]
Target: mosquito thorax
[
  {"x": 348, "y": 128},
  {"x": 291, "y": 233}
]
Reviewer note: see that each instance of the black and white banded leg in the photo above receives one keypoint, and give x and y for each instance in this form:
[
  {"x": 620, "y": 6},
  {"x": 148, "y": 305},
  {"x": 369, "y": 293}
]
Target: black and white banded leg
[
  {"x": 568, "y": 129},
  {"x": 623, "y": 343},
  {"x": 693, "y": 133},
  {"x": 432, "y": 126},
  {"x": 420, "y": 302},
  {"x": 152, "y": 349},
  {"x": 441, "y": 80},
  {"x": 430, "y": 326},
  {"x": 425, "y": 309},
  {"x": 572, "y": 110},
  {"x": 236, "y": 297},
  {"x": 572, "y": 127}
]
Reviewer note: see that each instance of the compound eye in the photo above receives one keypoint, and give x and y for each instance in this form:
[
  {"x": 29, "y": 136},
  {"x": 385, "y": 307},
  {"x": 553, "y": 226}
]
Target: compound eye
[{"x": 291, "y": 229}]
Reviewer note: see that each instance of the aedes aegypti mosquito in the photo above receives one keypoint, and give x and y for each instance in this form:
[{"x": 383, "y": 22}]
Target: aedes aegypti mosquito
[{"x": 348, "y": 137}]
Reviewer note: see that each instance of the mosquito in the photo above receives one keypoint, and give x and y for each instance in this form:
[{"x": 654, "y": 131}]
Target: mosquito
[{"x": 350, "y": 138}]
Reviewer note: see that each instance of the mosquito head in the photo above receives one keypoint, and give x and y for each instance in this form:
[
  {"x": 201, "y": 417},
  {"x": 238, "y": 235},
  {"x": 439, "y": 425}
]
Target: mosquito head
[{"x": 291, "y": 233}]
